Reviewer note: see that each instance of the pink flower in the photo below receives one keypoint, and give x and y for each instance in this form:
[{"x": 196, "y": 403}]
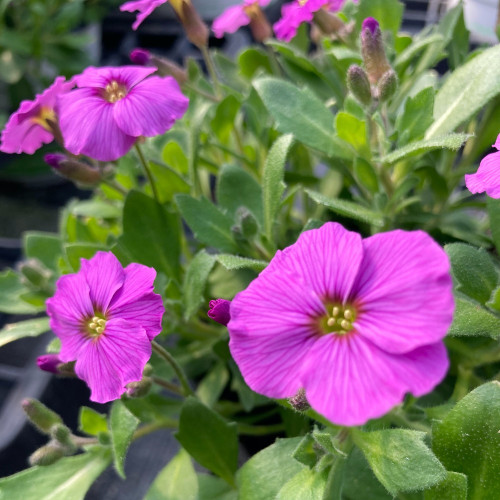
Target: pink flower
[
  {"x": 112, "y": 107},
  {"x": 301, "y": 11},
  {"x": 106, "y": 317},
  {"x": 487, "y": 177},
  {"x": 355, "y": 323},
  {"x": 233, "y": 18},
  {"x": 31, "y": 125},
  {"x": 144, "y": 7}
]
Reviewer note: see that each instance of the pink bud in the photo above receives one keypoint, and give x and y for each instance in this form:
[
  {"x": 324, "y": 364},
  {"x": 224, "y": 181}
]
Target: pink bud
[
  {"x": 49, "y": 362},
  {"x": 371, "y": 24},
  {"x": 141, "y": 57},
  {"x": 54, "y": 159},
  {"x": 219, "y": 311}
]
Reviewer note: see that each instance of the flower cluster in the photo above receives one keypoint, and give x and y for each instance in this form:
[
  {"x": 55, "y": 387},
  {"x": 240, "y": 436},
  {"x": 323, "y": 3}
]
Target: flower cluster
[
  {"x": 354, "y": 323},
  {"x": 106, "y": 317}
]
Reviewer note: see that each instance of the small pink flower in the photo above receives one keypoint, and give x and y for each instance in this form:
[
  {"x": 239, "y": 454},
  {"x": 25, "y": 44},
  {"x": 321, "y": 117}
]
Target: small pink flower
[
  {"x": 144, "y": 7},
  {"x": 106, "y": 317},
  {"x": 112, "y": 107},
  {"x": 487, "y": 177},
  {"x": 28, "y": 129},
  {"x": 235, "y": 17},
  {"x": 301, "y": 11},
  {"x": 354, "y": 323}
]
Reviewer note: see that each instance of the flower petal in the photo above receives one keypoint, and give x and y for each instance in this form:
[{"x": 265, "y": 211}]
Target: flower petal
[
  {"x": 350, "y": 381},
  {"x": 113, "y": 360},
  {"x": 231, "y": 20},
  {"x": 487, "y": 177},
  {"x": 404, "y": 291},
  {"x": 88, "y": 126},
  {"x": 105, "y": 276},
  {"x": 23, "y": 137},
  {"x": 327, "y": 259},
  {"x": 145, "y": 8},
  {"x": 151, "y": 107},
  {"x": 101, "y": 77}
]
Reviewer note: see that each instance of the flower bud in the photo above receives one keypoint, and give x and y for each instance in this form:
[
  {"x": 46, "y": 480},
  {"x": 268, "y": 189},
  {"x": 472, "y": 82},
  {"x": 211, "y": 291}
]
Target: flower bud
[
  {"x": 372, "y": 50},
  {"x": 299, "y": 401},
  {"x": 40, "y": 416},
  {"x": 49, "y": 363},
  {"x": 196, "y": 30},
  {"x": 73, "y": 170},
  {"x": 358, "y": 84},
  {"x": 47, "y": 455},
  {"x": 62, "y": 435},
  {"x": 140, "y": 388},
  {"x": 259, "y": 25},
  {"x": 34, "y": 273},
  {"x": 247, "y": 222},
  {"x": 387, "y": 85},
  {"x": 219, "y": 311},
  {"x": 141, "y": 57},
  {"x": 148, "y": 370},
  {"x": 328, "y": 22}
]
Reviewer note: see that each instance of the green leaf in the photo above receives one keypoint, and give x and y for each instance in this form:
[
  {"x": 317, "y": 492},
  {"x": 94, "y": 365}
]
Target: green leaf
[
  {"x": 400, "y": 459},
  {"x": 465, "y": 92},
  {"x": 11, "y": 292},
  {"x": 272, "y": 182},
  {"x": 96, "y": 208},
  {"x": 209, "y": 224},
  {"x": 472, "y": 320},
  {"x": 417, "y": 116},
  {"x": 347, "y": 208},
  {"x": 352, "y": 130},
  {"x": 453, "y": 487},
  {"x": 76, "y": 251},
  {"x": 308, "y": 484},
  {"x": 176, "y": 481},
  {"x": 214, "y": 488},
  {"x": 234, "y": 262},
  {"x": 211, "y": 387},
  {"x": 122, "y": 424},
  {"x": 473, "y": 270},
  {"x": 150, "y": 235},
  {"x": 68, "y": 478},
  {"x": 366, "y": 175},
  {"x": 388, "y": 13},
  {"x": 251, "y": 60},
  {"x": 261, "y": 479},
  {"x": 213, "y": 444},
  {"x": 45, "y": 247},
  {"x": 237, "y": 188},
  {"x": 92, "y": 422},
  {"x": 299, "y": 112},
  {"x": 450, "y": 141},
  {"x": 225, "y": 115},
  {"x": 467, "y": 440},
  {"x": 195, "y": 281},
  {"x": 28, "y": 328}
]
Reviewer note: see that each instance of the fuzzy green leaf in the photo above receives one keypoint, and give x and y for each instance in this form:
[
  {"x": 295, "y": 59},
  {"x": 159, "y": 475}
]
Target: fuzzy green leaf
[
  {"x": 28, "y": 328},
  {"x": 45, "y": 247},
  {"x": 233, "y": 262},
  {"x": 417, "y": 116},
  {"x": 308, "y": 484},
  {"x": 453, "y": 487},
  {"x": 11, "y": 295},
  {"x": 472, "y": 320},
  {"x": 92, "y": 422}
]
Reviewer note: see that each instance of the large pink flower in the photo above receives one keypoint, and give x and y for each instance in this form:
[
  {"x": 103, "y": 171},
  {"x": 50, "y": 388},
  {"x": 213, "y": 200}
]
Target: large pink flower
[
  {"x": 301, "y": 11},
  {"x": 355, "y": 323},
  {"x": 144, "y": 7},
  {"x": 30, "y": 126},
  {"x": 487, "y": 177},
  {"x": 112, "y": 107},
  {"x": 106, "y": 317},
  {"x": 233, "y": 18}
]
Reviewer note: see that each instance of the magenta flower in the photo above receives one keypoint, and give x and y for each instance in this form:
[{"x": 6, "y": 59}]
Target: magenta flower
[
  {"x": 237, "y": 16},
  {"x": 112, "y": 107},
  {"x": 354, "y": 323},
  {"x": 144, "y": 7},
  {"x": 301, "y": 11},
  {"x": 106, "y": 317},
  {"x": 487, "y": 177},
  {"x": 219, "y": 311},
  {"x": 31, "y": 126}
]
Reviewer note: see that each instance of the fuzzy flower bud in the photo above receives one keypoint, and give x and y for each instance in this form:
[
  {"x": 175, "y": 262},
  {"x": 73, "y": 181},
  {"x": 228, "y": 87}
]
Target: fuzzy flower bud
[
  {"x": 247, "y": 222},
  {"x": 372, "y": 50},
  {"x": 72, "y": 169},
  {"x": 299, "y": 401},
  {"x": 40, "y": 416},
  {"x": 140, "y": 388},
  {"x": 47, "y": 455},
  {"x": 49, "y": 363},
  {"x": 358, "y": 84},
  {"x": 259, "y": 25},
  {"x": 165, "y": 67},
  {"x": 219, "y": 311},
  {"x": 328, "y": 22},
  {"x": 387, "y": 85},
  {"x": 62, "y": 435},
  {"x": 141, "y": 57},
  {"x": 196, "y": 30}
]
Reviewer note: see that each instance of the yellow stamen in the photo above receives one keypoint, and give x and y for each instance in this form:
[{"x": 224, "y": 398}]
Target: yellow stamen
[
  {"x": 43, "y": 118},
  {"x": 114, "y": 91}
]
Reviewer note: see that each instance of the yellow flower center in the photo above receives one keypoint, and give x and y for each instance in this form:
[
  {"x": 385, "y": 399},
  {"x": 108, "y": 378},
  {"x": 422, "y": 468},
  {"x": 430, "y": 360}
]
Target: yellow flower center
[
  {"x": 96, "y": 325},
  {"x": 43, "y": 118},
  {"x": 114, "y": 91},
  {"x": 302, "y": 2},
  {"x": 339, "y": 319}
]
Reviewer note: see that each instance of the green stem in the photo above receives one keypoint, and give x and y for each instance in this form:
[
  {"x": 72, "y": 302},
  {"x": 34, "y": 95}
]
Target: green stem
[
  {"x": 168, "y": 385},
  {"x": 145, "y": 165},
  {"x": 114, "y": 185},
  {"x": 177, "y": 368},
  {"x": 197, "y": 90},
  {"x": 211, "y": 70}
]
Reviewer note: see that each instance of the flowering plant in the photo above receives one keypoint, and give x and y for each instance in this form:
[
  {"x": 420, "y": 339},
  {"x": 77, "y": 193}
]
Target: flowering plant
[{"x": 285, "y": 248}]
